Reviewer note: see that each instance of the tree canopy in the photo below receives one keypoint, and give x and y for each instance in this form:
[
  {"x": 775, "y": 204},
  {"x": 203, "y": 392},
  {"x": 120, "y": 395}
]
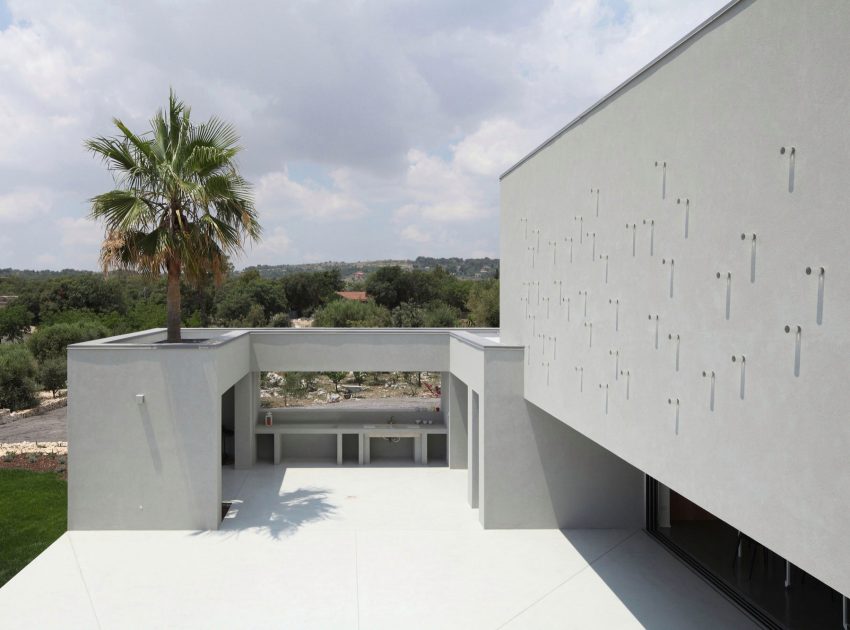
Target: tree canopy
[{"x": 180, "y": 206}]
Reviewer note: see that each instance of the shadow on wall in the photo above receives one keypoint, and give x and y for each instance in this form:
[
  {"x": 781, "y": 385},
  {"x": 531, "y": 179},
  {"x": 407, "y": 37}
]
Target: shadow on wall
[
  {"x": 280, "y": 514},
  {"x": 588, "y": 486}
]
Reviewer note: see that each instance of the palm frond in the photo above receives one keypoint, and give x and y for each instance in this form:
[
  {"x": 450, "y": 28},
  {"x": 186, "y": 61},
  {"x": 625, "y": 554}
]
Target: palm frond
[{"x": 178, "y": 198}]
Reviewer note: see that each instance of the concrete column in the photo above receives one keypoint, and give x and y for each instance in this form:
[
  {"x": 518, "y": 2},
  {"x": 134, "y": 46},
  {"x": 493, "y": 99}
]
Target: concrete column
[
  {"x": 246, "y": 397},
  {"x": 456, "y": 398},
  {"x": 473, "y": 448}
]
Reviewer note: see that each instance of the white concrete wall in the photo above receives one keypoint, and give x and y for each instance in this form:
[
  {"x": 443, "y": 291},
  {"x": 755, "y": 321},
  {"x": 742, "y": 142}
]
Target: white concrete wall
[
  {"x": 151, "y": 466},
  {"x": 455, "y": 393},
  {"x": 538, "y": 473},
  {"x": 158, "y": 465},
  {"x": 769, "y": 74},
  {"x": 313, "y": 350}
]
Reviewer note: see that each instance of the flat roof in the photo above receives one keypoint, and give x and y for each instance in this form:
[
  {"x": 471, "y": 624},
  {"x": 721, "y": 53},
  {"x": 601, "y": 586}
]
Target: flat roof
[{"x": 628, "y": 83}]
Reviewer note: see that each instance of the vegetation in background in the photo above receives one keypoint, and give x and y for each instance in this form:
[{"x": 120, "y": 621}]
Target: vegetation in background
[
  {"x": 336, "y": 378},
  {"x": 18, "y": 371},
  {"x": 15, "y": 321},
  {"x": 299, "y": 389},
  {"x": 52, "y": 341},
  {"x": 180, "y": 206},
  {"x": 483, "y": 304},
  {"x": 75, "y": 307},
  {"x": 33, "y": 514},
  {"x": 463, "y": 268},
  {"x": 351, "y": 314},
  {"x": 53, "y": 374}
]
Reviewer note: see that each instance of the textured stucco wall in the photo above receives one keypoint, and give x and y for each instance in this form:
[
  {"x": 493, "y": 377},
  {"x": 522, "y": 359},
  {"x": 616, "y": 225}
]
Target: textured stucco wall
[{"x": 770, "y": 74}]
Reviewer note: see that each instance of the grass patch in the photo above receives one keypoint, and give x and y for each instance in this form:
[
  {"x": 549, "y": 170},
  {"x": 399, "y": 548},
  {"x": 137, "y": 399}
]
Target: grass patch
[{"x": 33, "y": 513}]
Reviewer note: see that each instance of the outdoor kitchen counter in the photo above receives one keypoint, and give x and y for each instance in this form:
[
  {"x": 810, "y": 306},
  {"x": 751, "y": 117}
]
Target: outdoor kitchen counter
[{"x": 365, "y": 432}]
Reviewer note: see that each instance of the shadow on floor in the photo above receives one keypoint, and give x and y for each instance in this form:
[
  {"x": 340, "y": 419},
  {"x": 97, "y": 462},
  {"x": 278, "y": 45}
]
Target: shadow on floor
[
  {"x": 261, "y": 504},
  {"x": 657, "y": 588}
]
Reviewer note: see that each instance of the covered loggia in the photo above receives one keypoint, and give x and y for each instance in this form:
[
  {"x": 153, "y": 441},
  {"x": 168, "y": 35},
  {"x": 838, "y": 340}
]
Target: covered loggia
[
  {"x": 386, "y": 419},
  {"x": 350, "y": 432},
  {"x": 188, "y": 410}
]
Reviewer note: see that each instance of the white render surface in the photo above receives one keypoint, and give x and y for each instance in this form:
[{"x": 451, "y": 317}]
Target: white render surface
[
  {"x": 344, "y": 548},
  {"x": 695, "y": 144},
  {"x": 157, "y": 465}
]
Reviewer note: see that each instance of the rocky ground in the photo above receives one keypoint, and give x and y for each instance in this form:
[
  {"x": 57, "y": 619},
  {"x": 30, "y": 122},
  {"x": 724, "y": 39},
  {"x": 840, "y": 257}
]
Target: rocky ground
[{"x": 386, "y": 392}]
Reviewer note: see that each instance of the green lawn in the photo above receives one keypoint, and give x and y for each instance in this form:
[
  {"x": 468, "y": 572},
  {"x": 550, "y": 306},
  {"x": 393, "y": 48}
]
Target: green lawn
[{"x": 33, "y": 513}]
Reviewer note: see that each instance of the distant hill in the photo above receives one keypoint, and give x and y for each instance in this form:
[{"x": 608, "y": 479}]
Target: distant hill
[
  {"x": 466, "y": 268},
  {"x": 8, "y": 272}
]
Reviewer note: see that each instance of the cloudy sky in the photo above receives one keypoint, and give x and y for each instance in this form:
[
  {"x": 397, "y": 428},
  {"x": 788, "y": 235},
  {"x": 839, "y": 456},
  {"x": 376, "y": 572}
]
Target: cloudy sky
[{"x": 372, "y": 129}]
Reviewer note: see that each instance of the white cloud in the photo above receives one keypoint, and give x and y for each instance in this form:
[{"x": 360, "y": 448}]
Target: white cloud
[
  {"x": 24, "y": 206},
  {"x": 45, "y": 261},
  {"x": 415, "y": 234},
  {"x": 279, "y": 195},
  {"x": 275, "y": 245},
  {"x": 492, "y": 148},
  {"x": 80, "y": 232},
  {"x": 407, "y": 112}
]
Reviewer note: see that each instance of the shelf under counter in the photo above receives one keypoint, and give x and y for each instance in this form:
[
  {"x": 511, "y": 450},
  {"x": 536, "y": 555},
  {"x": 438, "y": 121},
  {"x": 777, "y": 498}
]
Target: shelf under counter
[{"x": 364, "y": 432}]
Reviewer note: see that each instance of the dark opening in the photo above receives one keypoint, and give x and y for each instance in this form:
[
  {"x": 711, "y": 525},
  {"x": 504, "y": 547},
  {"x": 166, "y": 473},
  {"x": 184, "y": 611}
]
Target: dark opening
[
  {"x": 741, "y": 567},
  {"x": 437, "y": 448},
  {"x": 350, "y": 448},
  {"x": 228, "y": 415}
]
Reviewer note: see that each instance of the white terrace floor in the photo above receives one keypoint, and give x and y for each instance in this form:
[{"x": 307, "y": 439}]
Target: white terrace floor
[{"x": 368, "y": 548}]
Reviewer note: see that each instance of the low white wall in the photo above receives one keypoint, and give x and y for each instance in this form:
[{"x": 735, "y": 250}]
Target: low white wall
[
  {"x": 155, "y": 465},
  {"x": 158, "y": 465},
  {"x": 315, "y": 350}
]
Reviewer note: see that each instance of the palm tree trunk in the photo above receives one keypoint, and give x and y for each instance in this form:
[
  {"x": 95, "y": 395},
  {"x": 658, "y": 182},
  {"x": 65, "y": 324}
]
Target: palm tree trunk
[{"x": 172, "y": 307}]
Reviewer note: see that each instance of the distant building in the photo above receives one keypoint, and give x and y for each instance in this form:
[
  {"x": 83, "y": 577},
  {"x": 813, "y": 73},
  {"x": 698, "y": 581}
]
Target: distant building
[{"x": 5, "y": 300}]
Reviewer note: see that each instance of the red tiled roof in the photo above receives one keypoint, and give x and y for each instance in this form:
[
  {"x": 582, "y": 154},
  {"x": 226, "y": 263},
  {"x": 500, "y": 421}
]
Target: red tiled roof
[{"x": 359, "y": 296}]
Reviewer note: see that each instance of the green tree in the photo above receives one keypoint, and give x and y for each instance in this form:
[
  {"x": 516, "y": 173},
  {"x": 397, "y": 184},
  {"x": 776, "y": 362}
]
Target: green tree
[
  {"x": 483, "y": 304},
  {"x": 293, "y": 385},
  {"x": 389, "y": 286},
  {"x": 305, "y": 292},
  {"x": 53, "y": 374},
  {"x": 441, "y": 315},
  {"x": 255, "y": 318},
  {"x": 15, "y": 321},
  {"x": 17, "y": 377},
  {"x": 448, "y": 288},
  {"x": 280, "y": 320},
  {"x": 408, "y": 315},
  {"x": 351, "y": 314},
  {"x": 238, "y": 296},
  {"x": 336, "y": 378},
  {"x": 180, "y": 205},
  {"x": 52, "y": 341}
]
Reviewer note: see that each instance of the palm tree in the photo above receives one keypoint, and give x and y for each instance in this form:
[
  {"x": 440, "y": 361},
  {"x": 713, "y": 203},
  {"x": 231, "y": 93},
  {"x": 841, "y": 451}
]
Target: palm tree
[{"x": 179, "y": 205}]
